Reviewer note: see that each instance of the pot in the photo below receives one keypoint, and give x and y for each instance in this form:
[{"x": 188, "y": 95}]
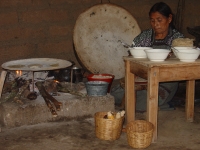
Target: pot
[
  {"x": 74, "y": 72},
  {"x": 62, "y": 74},
  {"x": 77, "y": 74}
]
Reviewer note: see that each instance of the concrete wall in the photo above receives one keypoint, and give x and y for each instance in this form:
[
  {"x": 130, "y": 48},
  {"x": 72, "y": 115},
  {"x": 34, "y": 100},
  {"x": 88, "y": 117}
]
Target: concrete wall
[{"x": 44, "y": 28}]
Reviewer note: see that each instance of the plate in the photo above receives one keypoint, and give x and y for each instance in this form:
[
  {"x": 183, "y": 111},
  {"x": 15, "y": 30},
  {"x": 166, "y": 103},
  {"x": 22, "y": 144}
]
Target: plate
[{"x": 36, "y": 64}]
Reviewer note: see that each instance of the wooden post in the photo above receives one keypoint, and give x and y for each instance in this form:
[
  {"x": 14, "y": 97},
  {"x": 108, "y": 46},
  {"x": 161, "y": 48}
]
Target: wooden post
[{"x": 2, "y": 80}]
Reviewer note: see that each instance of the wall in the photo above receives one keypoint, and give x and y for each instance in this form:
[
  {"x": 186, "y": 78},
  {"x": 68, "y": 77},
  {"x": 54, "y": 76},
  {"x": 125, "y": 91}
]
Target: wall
[{"x": 44, "y": 28}]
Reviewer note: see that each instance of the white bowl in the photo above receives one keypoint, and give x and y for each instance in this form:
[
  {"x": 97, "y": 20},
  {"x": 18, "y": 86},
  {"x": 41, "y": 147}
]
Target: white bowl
[
  {"x": 138, "y": 52},
  {"x": 188, "y": 56},
  {"x": 182, "y": 49},
  {"x": 157, "y": 54}
]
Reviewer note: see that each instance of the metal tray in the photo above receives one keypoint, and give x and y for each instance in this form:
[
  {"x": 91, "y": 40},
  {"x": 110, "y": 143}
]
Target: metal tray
[{"x": 36, "y": 64}]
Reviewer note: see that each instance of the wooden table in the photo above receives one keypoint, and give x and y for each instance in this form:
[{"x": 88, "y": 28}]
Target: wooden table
[{"x": 155, "y": 72}]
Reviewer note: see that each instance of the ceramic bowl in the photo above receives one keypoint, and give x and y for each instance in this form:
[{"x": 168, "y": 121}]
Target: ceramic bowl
[
  {"x": 184, "y": 47},
  {"x": 188, "y": 56},
  {"x": 138, "y": 52},
  {"x": 157, "y": 54},
  {"x": 181, "y": 49}
]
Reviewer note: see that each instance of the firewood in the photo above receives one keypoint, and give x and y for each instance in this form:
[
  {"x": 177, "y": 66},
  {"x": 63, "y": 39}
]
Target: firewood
[
  {"x": 50, "y": 86},
  {"x": 10, "y": 96},
  {"x": 7, "y": 87},
  {"x": 17, "y": 98},
  {"x": 12, "y": 89},
  {"x": 47, "y": 97},
  {"x": 54, "y": 101}
]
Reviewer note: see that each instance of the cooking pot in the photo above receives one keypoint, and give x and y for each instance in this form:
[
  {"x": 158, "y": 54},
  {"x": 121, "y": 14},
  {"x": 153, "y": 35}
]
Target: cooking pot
[
  {"x": 78, "y": 74},
  {"x": 65, "y": 74},
  {"x": 74, "y": 72},
  {"x": 62, "y": 74}
]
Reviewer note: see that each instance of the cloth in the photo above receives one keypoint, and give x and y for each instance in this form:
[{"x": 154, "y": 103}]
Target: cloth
[
  {"x": 147, "y": 39},
  {"x": 166, "y": 92}
]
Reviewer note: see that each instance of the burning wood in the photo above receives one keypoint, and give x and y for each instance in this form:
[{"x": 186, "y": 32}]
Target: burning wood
[
  {"x": 17, "y": 97},
  {"x": 47, "y": 96}
]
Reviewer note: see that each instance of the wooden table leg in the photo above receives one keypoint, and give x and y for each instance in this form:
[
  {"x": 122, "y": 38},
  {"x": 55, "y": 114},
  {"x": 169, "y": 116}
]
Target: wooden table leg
[
  {"x": 189, "y": 106},
  {"x": 2, "y": 80},
  {"x": 129, "y": 93},
  {"x": 152, "y": 99}
]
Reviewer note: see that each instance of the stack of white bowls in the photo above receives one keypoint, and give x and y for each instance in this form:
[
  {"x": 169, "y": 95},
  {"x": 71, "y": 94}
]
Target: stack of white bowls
[{"x": 186, "y": 54}]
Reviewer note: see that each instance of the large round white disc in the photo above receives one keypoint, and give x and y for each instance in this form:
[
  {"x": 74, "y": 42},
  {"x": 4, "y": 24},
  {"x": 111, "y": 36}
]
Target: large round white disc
[{"x": 96, "y": 38}]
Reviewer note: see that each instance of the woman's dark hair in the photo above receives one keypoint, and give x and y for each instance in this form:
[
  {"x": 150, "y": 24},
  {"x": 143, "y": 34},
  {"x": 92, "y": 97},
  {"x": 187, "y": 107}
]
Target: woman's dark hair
[{"x": 163, "y": 9}]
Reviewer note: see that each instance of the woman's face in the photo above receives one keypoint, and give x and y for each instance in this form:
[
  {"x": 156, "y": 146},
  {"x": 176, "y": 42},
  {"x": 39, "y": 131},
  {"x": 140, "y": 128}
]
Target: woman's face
[{"x": 160, "y": 23}]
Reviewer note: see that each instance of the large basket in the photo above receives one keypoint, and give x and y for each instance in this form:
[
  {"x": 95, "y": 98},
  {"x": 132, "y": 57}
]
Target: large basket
[
  {"x": 107, "y": 129},
  {"x": 139, "y": 133}
]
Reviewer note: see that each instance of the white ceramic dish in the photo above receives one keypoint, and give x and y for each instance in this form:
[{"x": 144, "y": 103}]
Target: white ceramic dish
[
  {"x": 179, "y": 47},
  {"x": 138, "y": 52},
  {"x": 182, "y": 49},
  {"x": 188, "y": 56},
  {"x": 187, "y": 60},
  {"x": 157, "y": 54}
]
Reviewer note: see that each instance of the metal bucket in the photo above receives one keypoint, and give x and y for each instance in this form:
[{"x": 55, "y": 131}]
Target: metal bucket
[{"x": 96, "y": 88}]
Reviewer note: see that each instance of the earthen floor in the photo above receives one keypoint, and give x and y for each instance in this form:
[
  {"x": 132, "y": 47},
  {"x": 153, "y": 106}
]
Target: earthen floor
[{"x": 174, "y": 133}]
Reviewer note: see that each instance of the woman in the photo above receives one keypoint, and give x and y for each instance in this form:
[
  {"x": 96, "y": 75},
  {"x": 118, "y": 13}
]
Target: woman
[{"x": 161, "y": 36}]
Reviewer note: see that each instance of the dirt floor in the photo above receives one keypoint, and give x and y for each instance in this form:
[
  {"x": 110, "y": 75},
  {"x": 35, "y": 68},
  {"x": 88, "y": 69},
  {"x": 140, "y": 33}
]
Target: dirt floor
[{"x": 174, "y": 133}]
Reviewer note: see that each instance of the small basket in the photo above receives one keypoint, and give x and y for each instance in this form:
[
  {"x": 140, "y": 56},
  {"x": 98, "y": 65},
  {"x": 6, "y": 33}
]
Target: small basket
[
  {"x": 107, "y": 129},
  {"x": 139, "y": 133}
]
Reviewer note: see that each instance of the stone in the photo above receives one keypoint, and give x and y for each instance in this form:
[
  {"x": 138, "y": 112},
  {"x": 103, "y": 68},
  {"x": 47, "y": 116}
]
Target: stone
[{"x": 36, "y": 111}]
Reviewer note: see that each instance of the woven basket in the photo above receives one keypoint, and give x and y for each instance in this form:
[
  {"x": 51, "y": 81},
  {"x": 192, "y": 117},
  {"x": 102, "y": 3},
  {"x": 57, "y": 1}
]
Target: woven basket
[
  {"x": 107, "y": 129},
  {"x": 139, "y": 133}
]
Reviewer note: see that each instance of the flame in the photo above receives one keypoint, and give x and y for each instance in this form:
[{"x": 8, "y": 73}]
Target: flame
[
  {"x": 18, "y": 73},
  {"x": 56, "y": 81}
]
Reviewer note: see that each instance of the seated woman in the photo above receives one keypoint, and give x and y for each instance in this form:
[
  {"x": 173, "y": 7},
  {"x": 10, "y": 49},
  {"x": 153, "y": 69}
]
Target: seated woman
[{"x": 160, "y": 36}]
